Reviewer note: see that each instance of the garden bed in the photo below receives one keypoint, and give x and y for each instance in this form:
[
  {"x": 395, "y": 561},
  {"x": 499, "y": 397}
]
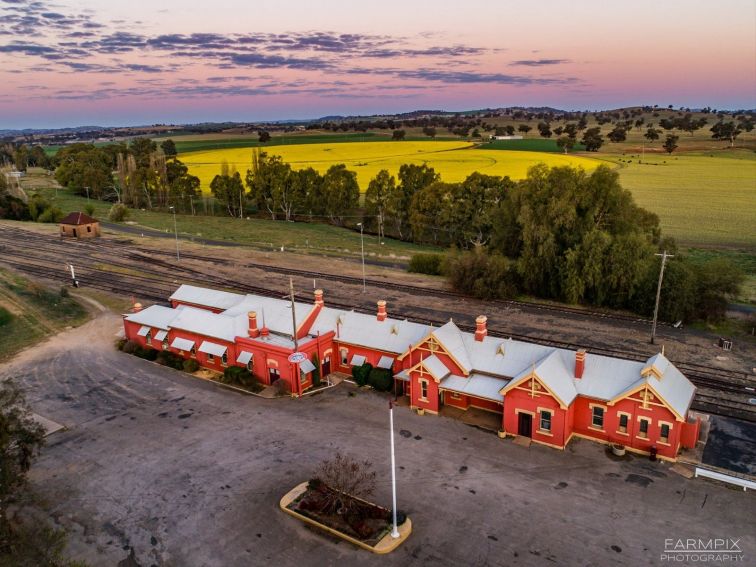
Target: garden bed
[{"x": 366, "y": 525}]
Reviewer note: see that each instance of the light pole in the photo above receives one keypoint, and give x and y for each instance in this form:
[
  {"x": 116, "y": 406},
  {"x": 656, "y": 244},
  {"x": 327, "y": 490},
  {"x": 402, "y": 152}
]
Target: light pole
[
  {"x": 394, "y": 530},
  {"x": 87, "y": 188},
  {"x": 664, "y": 257},
  {"x": 175, "y": 231},
  {"x": 362, "y": 247}
]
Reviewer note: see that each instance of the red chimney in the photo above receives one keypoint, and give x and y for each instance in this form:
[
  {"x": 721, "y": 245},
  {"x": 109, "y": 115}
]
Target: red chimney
[
  {"x": 382, "y": 310},
  {"x": 319, "y": 297},
  {"x": 254, "y": 332},
  {"x": 480, "y": 327},
  {"x": 579, "y": 363}
]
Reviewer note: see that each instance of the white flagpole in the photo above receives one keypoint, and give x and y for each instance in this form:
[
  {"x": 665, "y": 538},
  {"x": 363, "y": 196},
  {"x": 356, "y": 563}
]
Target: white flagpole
[{"x": 394, "y": 530}]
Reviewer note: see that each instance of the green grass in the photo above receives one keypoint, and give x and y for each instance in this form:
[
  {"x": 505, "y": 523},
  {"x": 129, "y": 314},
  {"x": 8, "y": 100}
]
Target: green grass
[
  {"x": 528, "y": 145},
  {"x": 259, "y": 233},
  {"x": 212, "y": 143},
  {"x": 31, "y": 311}
]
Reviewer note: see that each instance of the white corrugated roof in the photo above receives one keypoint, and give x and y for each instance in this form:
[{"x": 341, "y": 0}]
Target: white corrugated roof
[
  {"x": 306, "y": 366},
  {"x": 155, "y": 316},
  {"x": 391, "y": 335},
  {"x": 207, "y": 297},
  {"x": 210, "y": 324},
  {"x": 452, "y": 338},
  {"x": 244, "y": 357},
  {"x": 212, "y": 348},
  {"x": 386, "y": 362},
  {"x": 143, "y": 330},
  {"x": 160, "y": 335},
  {"x": 475, "y": 385},
  {"x": 357, "y": 360},
  {"x": 274, "y": 313},
  {"x": 402, "y": 375},
  {"x": 673, "y": 386},
  {"x": 436, "y": 368}
]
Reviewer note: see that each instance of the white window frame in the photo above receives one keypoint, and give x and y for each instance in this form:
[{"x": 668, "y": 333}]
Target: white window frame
[
  {"x": 541, "y": 413},
  {"x": 344, "y": 356},
  {"x": 595, "y": 407},
  {"x": 643, "y": 434}
]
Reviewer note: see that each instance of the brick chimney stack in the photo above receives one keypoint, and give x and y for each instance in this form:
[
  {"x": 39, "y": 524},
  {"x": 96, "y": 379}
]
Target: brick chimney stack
[
  {"x": 579, "y": 363},
  {"x": 382, "y": 310},
  {"x": 254, "y": 332},
  {"x": 480, "y": 327},
  {"x": 318, "y": 297}
]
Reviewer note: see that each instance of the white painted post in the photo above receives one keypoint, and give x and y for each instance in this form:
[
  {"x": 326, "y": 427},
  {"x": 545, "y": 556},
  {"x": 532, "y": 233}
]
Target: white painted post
[{"x": 394, "y": 530}]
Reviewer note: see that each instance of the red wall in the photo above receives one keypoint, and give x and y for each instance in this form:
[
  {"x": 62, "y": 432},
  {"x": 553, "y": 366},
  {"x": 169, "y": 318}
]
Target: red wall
[
  {"x": 371, "y": 356},
  {"x": 520, "y": 400},
  {"x": 432, "y": 398}
]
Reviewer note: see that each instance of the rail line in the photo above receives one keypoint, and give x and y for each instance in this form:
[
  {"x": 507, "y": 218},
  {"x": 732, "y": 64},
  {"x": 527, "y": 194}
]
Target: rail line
[{"x": 150, "y": 283}]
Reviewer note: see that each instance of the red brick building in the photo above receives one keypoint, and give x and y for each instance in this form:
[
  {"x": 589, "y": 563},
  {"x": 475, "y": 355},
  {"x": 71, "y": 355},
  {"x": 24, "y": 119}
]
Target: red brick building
[
  {"x": 79, "y": 225},
  {"x": 547, "y": 394}
]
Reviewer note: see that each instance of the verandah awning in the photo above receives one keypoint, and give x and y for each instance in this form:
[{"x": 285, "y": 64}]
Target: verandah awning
[
  {"x": 244, "y": 357},
  {"x": 182, "y": 344},
  {"x": 386, "y": 362},
  {"x": 306, "y": 366},
  {"x": 143, "y": 330},
  {"x": 357, "y": 360},
  {"x": 160, "y": 335},
  {"x": 212, "y": 348}
]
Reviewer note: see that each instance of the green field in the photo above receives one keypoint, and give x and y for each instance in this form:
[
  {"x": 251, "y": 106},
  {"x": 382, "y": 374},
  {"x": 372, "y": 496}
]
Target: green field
[
  {"x": 528, "y": 145},
  {"x": 702, "y": 199},
  {"x": 454, "y": 160}
]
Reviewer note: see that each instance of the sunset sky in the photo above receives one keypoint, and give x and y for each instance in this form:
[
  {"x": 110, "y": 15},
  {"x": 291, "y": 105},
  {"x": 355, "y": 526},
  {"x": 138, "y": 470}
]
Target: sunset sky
[{"x": 95, "y": 62}]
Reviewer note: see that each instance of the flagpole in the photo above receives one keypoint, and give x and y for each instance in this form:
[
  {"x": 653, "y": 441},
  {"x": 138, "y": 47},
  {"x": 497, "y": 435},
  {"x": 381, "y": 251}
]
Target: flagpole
[{"x": 394, "y": 530}]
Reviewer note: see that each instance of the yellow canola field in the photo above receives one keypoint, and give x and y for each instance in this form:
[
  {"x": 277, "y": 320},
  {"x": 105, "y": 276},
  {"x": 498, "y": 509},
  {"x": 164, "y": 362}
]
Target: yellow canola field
[{"x": 453, "y": 160}]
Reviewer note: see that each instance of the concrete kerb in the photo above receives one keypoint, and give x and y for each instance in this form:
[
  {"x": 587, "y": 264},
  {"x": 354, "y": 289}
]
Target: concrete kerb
[{"x": 387, "y": 544}]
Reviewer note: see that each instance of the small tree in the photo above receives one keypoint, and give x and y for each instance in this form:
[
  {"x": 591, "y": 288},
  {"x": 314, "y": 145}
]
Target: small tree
[
  {"x": 429, "y": 131},
  {"x": 670, "y": 144},
  {"x": 566, "y": 143},
  {"x": 118, "y": 213},
  {"x": 20, "y": 440},
  {"x": 347, "y": 479},
  {"x": 651, "y": 134},
  {"x": 524, "y": 128},
  {"x": 398, "y": 135},
  {"x": 169, "y": 148},
  {"x": 263, "y": 136},
  {"x": 316, "y": 372},
  {"x": 89, "y": 208}
]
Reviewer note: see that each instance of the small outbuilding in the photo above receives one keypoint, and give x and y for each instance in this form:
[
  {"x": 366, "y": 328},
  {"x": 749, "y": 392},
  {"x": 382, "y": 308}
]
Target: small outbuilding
[{"x": 79, "y": 225}]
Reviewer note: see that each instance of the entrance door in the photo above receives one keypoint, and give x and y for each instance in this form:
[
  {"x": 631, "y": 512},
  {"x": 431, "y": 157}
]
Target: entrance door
[
  {"x": 326, "y": 366},
  {"x": 74, "y": 233},
  {"x": 273, "y": 374},
  {"x": 525, "y": 425}
]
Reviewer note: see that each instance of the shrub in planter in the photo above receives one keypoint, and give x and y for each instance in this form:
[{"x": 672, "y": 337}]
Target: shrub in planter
[
  {"x": 282, "y": 387},
  {"x": 120, "y": 343},
  {"x": 190, "y": 365},
  {"x": 380, "y": 379},
  {"x": 361, "y": 373},
  {"x": 146, "y": 353},
  {"x": 237, "y": 375}
]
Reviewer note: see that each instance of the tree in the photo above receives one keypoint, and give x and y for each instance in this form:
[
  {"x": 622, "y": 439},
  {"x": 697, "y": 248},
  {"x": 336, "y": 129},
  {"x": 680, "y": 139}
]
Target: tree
[
  {"x": 566, "y": 143},
  {"x": 228, "y": 190},
  {"x": 270, "y": 184},
  {"x": 592, "y": 139},
  {"x": 652, "y": 134},
  {"x": 377, "y": 196},
  {"x": 524, "y": 128},
  {"x": 670, "y": 144},
  {"x": 725, "y": 131},
  {"x": 412, "y": 178},
  {"x": 348, "y": 480},
  {"x": 618, "y": 134},
  {"x": 398, "y": 135},
  {"x": 142, "y": 149},
  {"x": 544, "y": 128},
  {"x": 20, "y": 440},
  {"x": 169, "y": 148},
  {"x": 263, "y": 136},
  {"x": 84, "y": 168},
  {"x": 340, "y": 191},
  {"x": 429, "y": 131}
]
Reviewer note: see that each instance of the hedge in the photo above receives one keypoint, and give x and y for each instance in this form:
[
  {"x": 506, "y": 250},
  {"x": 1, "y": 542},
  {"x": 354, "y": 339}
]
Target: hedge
[
  {"x": 361, "y": 373},
  {"x": 381, "y": 379}
]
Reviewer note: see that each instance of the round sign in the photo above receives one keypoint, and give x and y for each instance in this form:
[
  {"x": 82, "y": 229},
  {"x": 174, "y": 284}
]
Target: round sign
[{"x": 297, "y": 357}]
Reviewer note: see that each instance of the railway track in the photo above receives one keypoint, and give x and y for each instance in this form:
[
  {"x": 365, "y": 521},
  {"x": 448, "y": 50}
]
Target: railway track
[{"x": 156, "y": 280}]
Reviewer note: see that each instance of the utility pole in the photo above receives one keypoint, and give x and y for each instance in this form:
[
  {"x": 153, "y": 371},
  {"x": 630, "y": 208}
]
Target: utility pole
[
  {"x": 293, "y": 316},
  {"x": 394, "y": 530},
  {"x": 664, "y": 257},
  {"x": 362, "y": 247},
  {"x": 175, "y": 231}
]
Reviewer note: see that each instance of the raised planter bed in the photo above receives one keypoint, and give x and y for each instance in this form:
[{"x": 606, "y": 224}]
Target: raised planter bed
[{"x": 301, "y": 502}]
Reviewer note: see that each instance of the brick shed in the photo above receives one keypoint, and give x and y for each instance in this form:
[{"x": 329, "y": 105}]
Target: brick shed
[{"x": 79, "y": 225}]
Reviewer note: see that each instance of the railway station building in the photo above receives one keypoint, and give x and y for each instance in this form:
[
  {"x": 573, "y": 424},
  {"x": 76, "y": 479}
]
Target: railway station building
[{"x": 549, "y": 395}]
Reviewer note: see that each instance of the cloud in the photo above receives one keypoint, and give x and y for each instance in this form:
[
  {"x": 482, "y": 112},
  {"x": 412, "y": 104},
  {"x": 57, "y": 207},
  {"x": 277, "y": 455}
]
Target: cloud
[{"x": 539, "y": 62}]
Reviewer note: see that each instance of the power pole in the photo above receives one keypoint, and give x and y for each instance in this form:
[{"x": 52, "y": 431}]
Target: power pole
[
  {"x": 293, "y": 316},
  {"x": 664, "y": 257}
]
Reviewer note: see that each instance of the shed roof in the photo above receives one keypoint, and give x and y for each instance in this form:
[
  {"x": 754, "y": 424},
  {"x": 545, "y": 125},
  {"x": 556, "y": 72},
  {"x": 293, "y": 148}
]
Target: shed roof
[
  {"x": 78, "y": 218},
  {"x": 206, "y": 297}
]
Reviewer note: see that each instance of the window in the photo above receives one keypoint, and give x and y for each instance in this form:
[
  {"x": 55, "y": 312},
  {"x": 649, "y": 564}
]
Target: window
[
  {"x": 344, "y": 357},
  {"x": 165, "y": 344},
  {"x": 545, "y": 424},
  {"x": 664, "y": 434},
  {"x": 597, "y": 419},
  {"x": 622, "y": 423},
  {"x": 643, "y": 429},
  {"x": 423, "y": 389},
  {"x": 454, "y": 395},
  {"x": 302, "y": 377},
  {"x": 148, "y": 338},
  {"x": 89, "y": 228},
  {"x": 224, "y": 359},
  {"x": 250, "y": 365},
  {"x": 193, "y": 352},
  {"x": 210, "y": 357}
]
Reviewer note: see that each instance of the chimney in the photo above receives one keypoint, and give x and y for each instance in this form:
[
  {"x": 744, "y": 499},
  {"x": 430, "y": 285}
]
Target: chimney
[
  {"x": 254, "y": 332},
  {"x": 579, "y": 363},
  {"x": 136, "y": 308},
  {"x": 318, "y": 297},
  {"x": 382, "y": 310},
  {"x": 264, "y": 332},
  {"x": 480, "y": 327}
]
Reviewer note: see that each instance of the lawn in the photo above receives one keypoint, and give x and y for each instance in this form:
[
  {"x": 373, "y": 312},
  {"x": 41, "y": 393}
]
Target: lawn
[
  {"x": 259, "y": 233},
  {"x": 29, "y": 312},
  {"x": 454, "y": 160},
  {"x": 702, "y": 199}
]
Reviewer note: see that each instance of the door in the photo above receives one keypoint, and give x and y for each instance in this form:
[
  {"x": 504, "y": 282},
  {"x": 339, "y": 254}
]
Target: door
[
  {"x": 273, "y": 374},
  {"x": 74, "y": 233},
  {"x": 525, "y": 425},
  {"x": 326, "y": 366}
]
